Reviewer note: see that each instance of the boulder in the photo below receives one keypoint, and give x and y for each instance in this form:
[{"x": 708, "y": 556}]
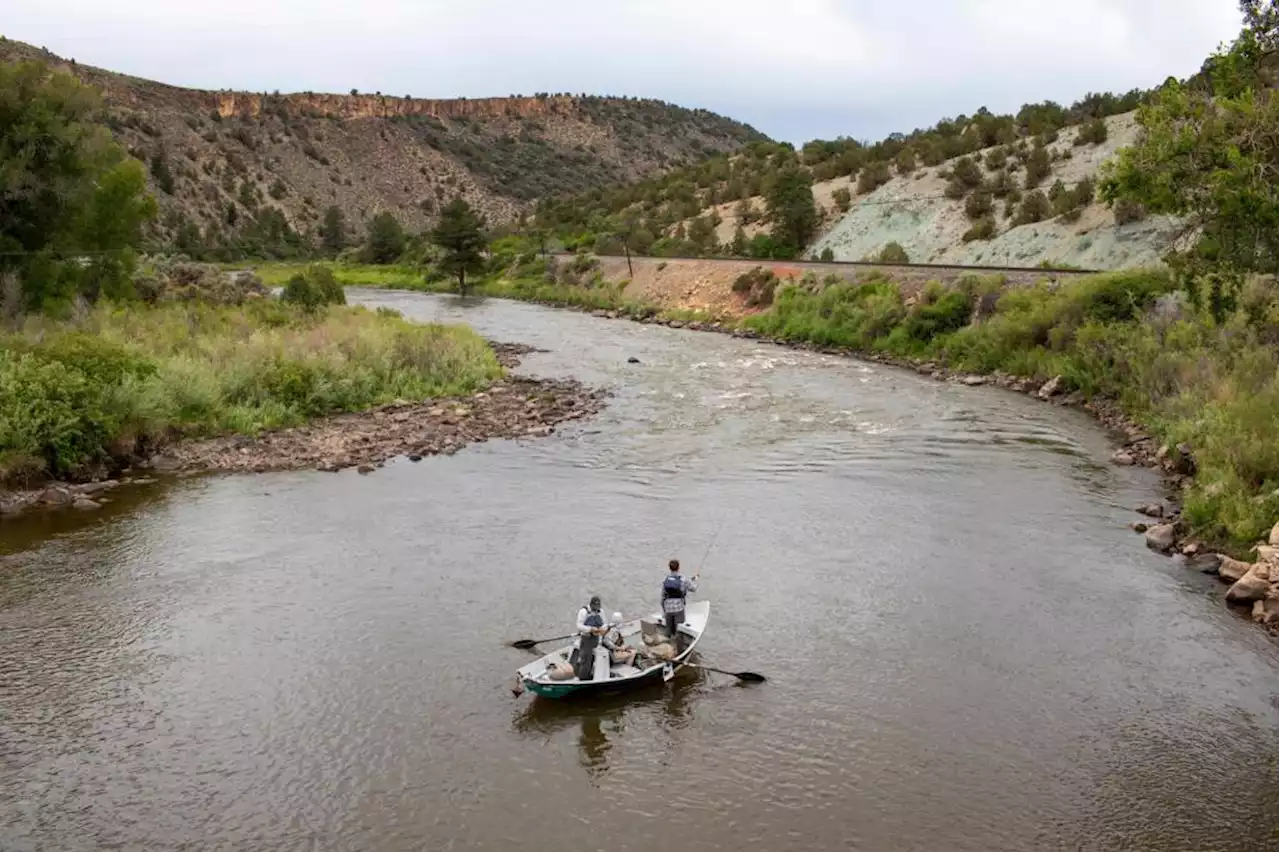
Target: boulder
[
  {"x": 1274, "y": 538},
  {"x": 1122, "y": 458},
  {"x": 1232, "y": 569},
  {"x": 1266, "y": 610},
  {"x": 1053, "y": 387},
  {"x": 1266, "y": 553},
  {"x": 633, "y": 360},
  {"x": 1138, "y": 526},
  {"x": 91, "y": 488},
  {"x": 55, "y": 496},
  {"x": 1185, "y": 462},
  {"x": 84, "y": 504},
  {"x": 1205, "y": 563},
  {"x": 1191, "y": 548},
  {"x": 1248, "y": 589},
  {"x": 1151, "y": 510},
  {"x": 974, "y": 381},
  {"x": 365, "y": 468},
  {"x": 1161, "y": 537}
]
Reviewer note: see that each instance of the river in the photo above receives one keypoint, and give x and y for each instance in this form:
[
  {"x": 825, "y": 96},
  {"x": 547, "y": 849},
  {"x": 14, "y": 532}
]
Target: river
[{"x": 966, "y": 649}]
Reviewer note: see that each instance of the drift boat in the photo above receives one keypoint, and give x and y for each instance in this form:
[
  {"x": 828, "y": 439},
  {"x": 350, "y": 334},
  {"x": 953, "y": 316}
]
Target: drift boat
[{"x": 543, "y": 676}]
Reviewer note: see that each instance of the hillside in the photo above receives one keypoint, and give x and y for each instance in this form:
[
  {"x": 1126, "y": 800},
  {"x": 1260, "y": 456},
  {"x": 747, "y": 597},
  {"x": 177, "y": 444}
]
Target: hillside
[
  {"x": 957, "y": 193},
  {"x": 915, "y": 212},
  {"x": 241, "y": 166}
]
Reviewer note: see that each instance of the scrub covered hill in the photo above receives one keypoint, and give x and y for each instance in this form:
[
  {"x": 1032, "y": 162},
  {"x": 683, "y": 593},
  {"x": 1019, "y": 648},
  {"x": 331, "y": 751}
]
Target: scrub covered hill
[
  {"x": 771, "y": 200},
  {"x": 254, "y": 173}
]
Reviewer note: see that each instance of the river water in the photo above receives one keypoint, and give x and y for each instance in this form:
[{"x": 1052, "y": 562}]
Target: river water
[{"x": 966, "y": 649}]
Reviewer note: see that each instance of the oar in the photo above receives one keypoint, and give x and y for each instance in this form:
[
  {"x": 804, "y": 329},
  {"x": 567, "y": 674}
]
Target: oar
[
  {"x": 746, "y": 677},
  {"x": 529, "y": 643}
]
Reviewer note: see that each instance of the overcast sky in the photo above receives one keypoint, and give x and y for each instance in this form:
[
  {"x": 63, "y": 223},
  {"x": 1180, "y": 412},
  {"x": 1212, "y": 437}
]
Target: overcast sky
[{"x": 796, "y": 69}]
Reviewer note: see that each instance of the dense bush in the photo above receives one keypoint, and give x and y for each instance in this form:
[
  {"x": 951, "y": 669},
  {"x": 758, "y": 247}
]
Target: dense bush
[
  {"x": 756, "y": 286},
  {"x": 75, "y": 394},
  {"x": 1092, "y": 133},
  {"x": 979, "y": 204},
  {"x": 872, "y": 176},
  {"x": 891, "y": 253},
  {"x": 842, "y": 198},
  {"x": 1035, "y": 207},
  {"x": 983, "y": 229},
  {"x": 1038, "y": 167},
  {"x": 314, "y": 288},
  {"x": 967, "y": 172},
  {"x": 1126, "y": 210}
]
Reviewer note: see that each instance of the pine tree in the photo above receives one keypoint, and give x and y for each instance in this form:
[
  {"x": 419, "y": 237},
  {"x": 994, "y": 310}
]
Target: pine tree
[
  {"x": 333, "y": 231},
  {"x": 460, "y": 233}
]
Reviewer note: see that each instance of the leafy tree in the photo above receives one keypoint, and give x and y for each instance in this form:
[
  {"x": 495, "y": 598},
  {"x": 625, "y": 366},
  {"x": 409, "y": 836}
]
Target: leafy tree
[
  {"x": 791, "y": 207},
  {"x": 333, "y": 231},
  {"x": 386, "y": 240},
  {"x": 460, "y": 234},
  {"x": 72, "y": 203},
  {"x": 738, "y": 247},
  {"x": 842, "y": 198},
  {"x": 827, "y": 255},
  {"x": 1208, "y": 154}
]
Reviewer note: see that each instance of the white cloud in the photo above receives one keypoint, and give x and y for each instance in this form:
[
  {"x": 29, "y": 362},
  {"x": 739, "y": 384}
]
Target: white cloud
[{"x": 797, "y": 69}]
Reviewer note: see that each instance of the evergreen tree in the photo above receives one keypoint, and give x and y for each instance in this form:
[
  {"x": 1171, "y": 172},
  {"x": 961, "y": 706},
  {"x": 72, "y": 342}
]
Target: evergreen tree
[
  {"x": 386, "y": 240},
  {"x": 333, "y": 231},
  {"x": 460, "y": 233}
]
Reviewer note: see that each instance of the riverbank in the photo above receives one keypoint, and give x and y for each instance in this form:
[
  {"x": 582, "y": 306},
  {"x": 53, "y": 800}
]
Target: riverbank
[{"x": 123, "y": 392}]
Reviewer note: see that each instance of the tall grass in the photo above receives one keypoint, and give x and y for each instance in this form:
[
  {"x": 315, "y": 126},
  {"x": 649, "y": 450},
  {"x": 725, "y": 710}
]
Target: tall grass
[
  {"x": 277, "y": 274},
  {"x": 74, "y": 393},
  {"x": 1129, "y": 336}
]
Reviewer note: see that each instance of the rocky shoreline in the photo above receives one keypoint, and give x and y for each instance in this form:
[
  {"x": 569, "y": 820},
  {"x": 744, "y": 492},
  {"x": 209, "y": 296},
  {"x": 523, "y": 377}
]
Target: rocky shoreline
[
  {"x": 513, "y": 407},
  {"x": 1252, "y": 585}
]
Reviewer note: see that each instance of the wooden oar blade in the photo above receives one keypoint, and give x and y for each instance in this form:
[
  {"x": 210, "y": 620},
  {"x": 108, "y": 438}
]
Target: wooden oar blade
[
  {"x": 750, "y": 677},
  {"x": 524, "y": 643}
]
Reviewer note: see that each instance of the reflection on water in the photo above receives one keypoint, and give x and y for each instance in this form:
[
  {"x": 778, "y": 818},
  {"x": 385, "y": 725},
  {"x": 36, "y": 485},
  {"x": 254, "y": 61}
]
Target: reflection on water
[
  {"x": 966, "y": 649},
  {"x": 665, "y": 706}
]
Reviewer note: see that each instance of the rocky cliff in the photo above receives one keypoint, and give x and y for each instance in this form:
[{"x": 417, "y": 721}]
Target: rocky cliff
[{"x": 219, "y": 160}]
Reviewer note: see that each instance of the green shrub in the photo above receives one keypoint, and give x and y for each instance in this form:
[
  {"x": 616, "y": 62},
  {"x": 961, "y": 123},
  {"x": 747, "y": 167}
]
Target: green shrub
[
  {"x": 1093, "y": 132},
  {"x": 892, "y": 252},
  {"x": 1126, "y": 210},
  {"x": 1035, "y": 207},
  {"x": 967, "y": 172},
  {"x": 997, "y": 158},
  {"x": 979, "y": 204},
  {"x": 873, "y": 176},
  {"x": 1038, "y": 167},
  {"x": 983, "y": 229},
  {"x": 946, "y": 314},
  {"x": 842, "y": 199},
  {"x": 756, "y": 286},
  {"x": 314, "y": 288}
]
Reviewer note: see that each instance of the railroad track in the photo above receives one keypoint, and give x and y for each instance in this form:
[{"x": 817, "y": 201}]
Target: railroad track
[{"x": 854, "y": 264}]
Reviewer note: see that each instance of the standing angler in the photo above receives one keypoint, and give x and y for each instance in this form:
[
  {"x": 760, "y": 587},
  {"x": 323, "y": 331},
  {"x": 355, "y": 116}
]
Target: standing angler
[
  {"x": 674, "y": 590},
  {"x": 590, "y": 628}
]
